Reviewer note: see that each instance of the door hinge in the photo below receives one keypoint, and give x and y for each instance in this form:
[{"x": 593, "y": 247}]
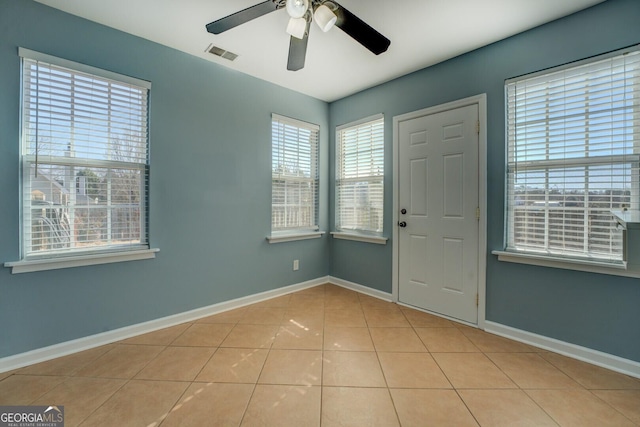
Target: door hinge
[
  {"x": 478, "y": 127},
  {"x": 478, "y": 213},
  {"x": 477, "y": 300}
]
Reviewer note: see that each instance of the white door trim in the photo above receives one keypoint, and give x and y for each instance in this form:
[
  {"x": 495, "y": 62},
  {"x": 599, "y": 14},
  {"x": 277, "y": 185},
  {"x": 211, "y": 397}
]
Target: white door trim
[{"x": 481, "y": 101}]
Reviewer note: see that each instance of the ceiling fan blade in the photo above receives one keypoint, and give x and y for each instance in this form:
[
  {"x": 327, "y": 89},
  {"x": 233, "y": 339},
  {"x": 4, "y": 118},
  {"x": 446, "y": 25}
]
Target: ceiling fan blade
[
  {"x": 298, "y": 51},
  {"x": 238, "y": 18},
  {"x": 361, "y": 32}
]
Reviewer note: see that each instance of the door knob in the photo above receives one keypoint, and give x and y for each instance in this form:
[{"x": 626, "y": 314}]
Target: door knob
[{"x": 402, "y": 224}]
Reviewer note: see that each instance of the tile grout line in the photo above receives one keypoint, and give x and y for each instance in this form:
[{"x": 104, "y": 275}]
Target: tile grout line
[
  {"x": 324, "y": 336},
  {"x": 255, "y": 386},
  {"x": 609, "y": 405},
  {"x": 516, "y": 384},
  {"x": 126, "y": 380},
  {"x": 454, "y": 388},
  {"x": 395, "y": 408},
  {"x": 178, "y": 401}
]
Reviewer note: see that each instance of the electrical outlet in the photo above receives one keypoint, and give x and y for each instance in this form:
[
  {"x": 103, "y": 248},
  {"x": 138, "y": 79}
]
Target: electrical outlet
[{"x": 296, "y": 265}]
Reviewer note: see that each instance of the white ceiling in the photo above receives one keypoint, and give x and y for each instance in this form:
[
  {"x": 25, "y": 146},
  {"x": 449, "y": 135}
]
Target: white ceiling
[{"x": 422, "y": 33}]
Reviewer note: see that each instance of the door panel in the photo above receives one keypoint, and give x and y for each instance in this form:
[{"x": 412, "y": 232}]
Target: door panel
[
  {"x": 438, "y": 185},
  {"x": 419, "y": 196},
  {"x": 452, "y": 251},
  {"x": 418, "y": 268},
  {"x": 453, "y": 192}
]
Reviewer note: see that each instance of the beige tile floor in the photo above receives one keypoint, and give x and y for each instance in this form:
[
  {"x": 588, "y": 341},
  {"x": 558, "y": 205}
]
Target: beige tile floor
[{"x": 325, "y": 356}]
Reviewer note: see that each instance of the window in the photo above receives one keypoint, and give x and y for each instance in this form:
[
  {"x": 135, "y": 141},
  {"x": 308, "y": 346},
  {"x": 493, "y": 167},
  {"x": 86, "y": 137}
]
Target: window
[
  {"x": 360, "y": 176},
  {"x": 573, "y": 138},
  {"x": 85, "y": 159},
  {"x": 294, "y": 175}
]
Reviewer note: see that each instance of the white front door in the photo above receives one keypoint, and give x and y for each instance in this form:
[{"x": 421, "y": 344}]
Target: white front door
[{"x": 438, "y": 218}]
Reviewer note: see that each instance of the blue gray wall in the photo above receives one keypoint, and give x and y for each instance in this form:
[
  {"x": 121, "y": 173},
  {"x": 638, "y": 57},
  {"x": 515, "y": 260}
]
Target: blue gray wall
[
  {"x": 593, "y": 310},
  {"x": 210, "y": 188}
]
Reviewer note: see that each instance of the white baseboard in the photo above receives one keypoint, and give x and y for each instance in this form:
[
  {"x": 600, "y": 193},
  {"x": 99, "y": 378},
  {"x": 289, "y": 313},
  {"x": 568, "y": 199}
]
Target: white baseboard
[
  {"x": 69, "y": 347},
  {"x": 361, "y": 289},
  {"x": 444, "y": 316},
  {"x": 595, "y": 357}
]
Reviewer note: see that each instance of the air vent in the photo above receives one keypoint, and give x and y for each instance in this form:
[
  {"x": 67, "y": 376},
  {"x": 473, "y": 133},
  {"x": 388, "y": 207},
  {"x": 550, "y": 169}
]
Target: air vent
[{"x": 221, "y": 52}]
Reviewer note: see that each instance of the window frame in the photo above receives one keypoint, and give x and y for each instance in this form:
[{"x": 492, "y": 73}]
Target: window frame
[
  {"x": 311, "y": 158},
  {"x": 74, "y": 256},
  {"x": 359, "y": 231},
  {"x": 586, "y": 261}
]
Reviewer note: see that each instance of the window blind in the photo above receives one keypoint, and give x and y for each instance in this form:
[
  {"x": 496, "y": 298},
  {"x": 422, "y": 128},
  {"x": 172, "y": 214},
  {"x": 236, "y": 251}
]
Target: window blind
[
  {"x": 573, "y": 138},
  {"x": 360, "y": 176},
  {"x": 85, "y": 159},
  {"x": 294, "y": 189}
]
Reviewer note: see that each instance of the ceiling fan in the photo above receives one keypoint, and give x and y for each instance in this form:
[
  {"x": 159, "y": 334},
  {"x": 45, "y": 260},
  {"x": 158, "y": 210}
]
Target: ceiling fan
[{"x": 326, "y": 14}]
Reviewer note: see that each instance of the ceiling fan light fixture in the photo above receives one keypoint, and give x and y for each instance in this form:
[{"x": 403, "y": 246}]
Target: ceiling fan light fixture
[
  {"x": 297, "y": 8},
  {"x": 297, "y": 27},
  {"x": 324, "y": 17}
]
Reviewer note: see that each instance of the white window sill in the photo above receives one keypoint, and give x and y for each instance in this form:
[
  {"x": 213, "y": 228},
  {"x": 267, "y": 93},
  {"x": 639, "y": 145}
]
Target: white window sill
[
  {"x": 359, "y": 237},
  {"x": 588, "y": 266},
  {"x": 28, "y": 266},
  {"x": 292, "y": 237},
  {"x": 627, "y": 219}
]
